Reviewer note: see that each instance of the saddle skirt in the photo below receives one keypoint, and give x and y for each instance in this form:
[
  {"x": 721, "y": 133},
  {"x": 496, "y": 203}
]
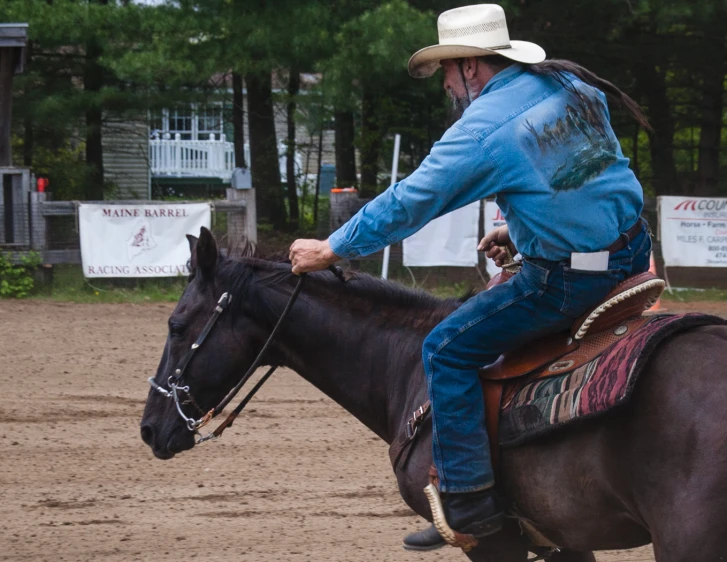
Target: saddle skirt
[
  {"x": 571, "y": 388},
  {"x": 581, "y": 373}
]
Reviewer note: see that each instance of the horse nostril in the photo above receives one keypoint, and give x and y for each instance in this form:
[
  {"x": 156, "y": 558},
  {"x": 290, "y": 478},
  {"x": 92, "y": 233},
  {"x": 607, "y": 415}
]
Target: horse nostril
[{"x": 147, "y": 434}]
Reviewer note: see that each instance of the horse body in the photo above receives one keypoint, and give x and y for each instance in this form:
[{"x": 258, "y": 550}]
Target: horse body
[{"x": 652, "y": 471}]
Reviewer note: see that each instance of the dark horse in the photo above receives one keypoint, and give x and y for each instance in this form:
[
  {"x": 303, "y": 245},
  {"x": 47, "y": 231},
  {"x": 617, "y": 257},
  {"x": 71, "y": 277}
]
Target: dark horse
[{"x": 654, "y": 471}]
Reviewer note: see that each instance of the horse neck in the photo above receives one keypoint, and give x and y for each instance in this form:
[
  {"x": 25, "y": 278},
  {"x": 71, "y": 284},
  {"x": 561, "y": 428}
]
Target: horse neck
[{"x": 369, "y": 367}]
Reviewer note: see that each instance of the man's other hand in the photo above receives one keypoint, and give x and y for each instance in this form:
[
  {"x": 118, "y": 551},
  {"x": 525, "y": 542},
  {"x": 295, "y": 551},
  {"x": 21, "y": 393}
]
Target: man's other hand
[
  {"x": 495, "y": 245},
  {"x": 311, "y": 255}
]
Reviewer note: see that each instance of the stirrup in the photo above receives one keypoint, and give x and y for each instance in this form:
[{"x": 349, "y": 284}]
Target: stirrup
[{"x": 450, "y": 536}]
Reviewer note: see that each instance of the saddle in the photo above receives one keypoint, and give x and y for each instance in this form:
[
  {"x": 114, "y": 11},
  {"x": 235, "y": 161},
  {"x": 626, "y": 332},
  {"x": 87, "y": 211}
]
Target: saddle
[
  {"x": 619, "y": 314},
  {"x": 621, "y": 309}
]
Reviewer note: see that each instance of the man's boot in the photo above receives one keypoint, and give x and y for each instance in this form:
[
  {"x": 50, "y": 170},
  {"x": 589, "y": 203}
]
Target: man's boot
[
  {"x": 474, "y": 513},
  {"x": 426, "y": 539}
]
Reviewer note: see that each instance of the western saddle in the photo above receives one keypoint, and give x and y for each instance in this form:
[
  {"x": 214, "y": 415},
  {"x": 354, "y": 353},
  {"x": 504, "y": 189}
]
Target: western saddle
[
  {"x": 618, "y": 315},
  {"x": 621, "y": 309}
]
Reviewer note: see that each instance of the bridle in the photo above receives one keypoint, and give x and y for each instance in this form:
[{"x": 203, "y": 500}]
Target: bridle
[
  {"x": 175, "y": 381},
  {"x": 176, "y": 389}
]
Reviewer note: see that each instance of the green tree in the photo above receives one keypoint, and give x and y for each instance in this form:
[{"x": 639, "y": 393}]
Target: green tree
[
  {"x": 92, "y": 63},
  {"x": 368, "y": 71}
]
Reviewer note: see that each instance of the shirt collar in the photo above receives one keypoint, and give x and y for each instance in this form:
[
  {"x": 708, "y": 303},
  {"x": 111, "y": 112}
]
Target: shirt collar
[{"x": 503, "y": 78}]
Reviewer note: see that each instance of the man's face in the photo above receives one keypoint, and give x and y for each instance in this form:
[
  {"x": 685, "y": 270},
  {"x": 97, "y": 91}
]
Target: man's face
[{"x": 455, "y": 86}]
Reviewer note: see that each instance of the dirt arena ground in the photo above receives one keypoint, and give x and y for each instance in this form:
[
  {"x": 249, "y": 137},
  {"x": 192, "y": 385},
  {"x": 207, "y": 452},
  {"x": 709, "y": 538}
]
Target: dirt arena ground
[{"x": 295, "y": 479}]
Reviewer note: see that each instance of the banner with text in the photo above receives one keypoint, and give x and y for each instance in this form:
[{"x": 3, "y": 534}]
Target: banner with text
[
  {"x": 138, "y": 240},
  {"x": 493, "y": 219},
  {"x": 449, "y": 240},
  {"x": 693, "y": 231}
]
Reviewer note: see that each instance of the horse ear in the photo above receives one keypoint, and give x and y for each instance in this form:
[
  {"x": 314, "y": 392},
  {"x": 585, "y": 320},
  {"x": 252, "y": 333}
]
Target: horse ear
[
  {"x": 205, "y": 253},
  {"x": 192, "y": 243},
  {"x": 192, "y": 251}
]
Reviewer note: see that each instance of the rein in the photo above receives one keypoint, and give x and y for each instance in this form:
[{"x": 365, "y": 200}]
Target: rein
[{"x": 174, "y": 381}]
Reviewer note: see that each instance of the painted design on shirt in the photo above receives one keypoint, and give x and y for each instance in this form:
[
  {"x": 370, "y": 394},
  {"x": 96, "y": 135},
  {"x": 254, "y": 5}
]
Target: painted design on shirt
[{"x": 575, "y": 147}]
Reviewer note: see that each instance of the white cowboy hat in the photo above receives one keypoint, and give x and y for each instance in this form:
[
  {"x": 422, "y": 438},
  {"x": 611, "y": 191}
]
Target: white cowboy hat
[{"x": 472, "y": 31}]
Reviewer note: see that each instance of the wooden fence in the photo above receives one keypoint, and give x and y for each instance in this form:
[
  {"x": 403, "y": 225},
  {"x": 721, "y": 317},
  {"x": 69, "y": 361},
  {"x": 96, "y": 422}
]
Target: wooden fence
[{"x": 50, "y": 228}]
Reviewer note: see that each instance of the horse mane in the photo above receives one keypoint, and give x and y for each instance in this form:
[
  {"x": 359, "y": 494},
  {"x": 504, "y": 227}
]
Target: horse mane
[{"x": 387, "y": 303}]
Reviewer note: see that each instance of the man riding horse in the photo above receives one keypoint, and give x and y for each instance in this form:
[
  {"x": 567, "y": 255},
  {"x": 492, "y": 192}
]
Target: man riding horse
[{"x": 535, "y": 134}]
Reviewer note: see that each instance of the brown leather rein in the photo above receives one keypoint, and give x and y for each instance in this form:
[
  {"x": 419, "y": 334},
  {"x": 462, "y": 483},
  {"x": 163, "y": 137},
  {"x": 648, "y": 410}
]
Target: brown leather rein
[{"x": 174, "y": 381}]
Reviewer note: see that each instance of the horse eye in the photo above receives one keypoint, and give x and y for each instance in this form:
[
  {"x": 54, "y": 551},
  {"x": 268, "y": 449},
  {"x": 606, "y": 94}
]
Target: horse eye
[{"x": 176, "y": 329}]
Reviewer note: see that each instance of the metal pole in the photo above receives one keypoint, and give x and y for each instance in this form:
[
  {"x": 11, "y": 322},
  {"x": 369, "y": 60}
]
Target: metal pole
[
  {"x": 318, "y": 178},
  {"x": 394, "y": 172}
]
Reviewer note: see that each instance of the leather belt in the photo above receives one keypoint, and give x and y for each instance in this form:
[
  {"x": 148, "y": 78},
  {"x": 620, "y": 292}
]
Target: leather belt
[{"x": 626, "y": 237}]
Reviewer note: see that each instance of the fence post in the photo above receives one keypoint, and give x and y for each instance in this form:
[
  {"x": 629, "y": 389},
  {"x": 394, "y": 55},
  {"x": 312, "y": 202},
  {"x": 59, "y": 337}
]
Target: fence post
[
  {"x": 37, "y": 221},
  {"x": 220, "y": 163},
  {"x": 344, "y": 204},
  {"x": 242, "y": 222},
  {"x": 178, "y": 154}
]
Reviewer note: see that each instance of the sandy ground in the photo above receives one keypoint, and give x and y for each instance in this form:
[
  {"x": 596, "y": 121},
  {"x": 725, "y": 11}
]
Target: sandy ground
[{"x": 299, "y": 479}]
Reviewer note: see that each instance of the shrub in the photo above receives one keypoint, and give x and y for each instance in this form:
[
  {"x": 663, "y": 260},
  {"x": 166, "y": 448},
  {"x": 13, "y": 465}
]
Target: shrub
[{"x": 16, "y": 280}]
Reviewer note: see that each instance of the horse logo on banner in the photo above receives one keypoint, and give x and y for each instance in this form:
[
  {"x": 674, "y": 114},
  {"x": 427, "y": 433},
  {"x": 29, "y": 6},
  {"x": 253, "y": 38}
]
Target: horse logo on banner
[{"x": 140, "y": 241}]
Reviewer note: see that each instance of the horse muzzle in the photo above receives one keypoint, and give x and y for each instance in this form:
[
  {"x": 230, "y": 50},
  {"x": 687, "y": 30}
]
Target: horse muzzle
[{"x": 166, "y": 437}]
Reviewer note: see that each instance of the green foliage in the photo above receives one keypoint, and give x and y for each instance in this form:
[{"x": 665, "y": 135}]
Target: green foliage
[
  {"x": 66, "y": 166},
  {"x": 372, "y": 51},
  {"x": 695, "y": 295},
  {"x": 16, "y": 279},
  {"x": 453, "y": 290},
  {"x": 120, "y": 59},
  {"x": 369, "y": 62},
  {"x": 70, "y": 285},
  {"x": 665, "y": 55}
]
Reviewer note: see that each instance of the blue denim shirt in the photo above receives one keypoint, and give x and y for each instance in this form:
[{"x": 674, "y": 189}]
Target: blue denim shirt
[{"x": 550, "y": 158}]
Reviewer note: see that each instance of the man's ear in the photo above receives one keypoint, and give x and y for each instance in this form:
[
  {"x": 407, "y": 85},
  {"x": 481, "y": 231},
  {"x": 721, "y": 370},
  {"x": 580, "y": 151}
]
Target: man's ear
[
  {"x": 204, "y": 254},
  {"x": 469, "y": 67}
]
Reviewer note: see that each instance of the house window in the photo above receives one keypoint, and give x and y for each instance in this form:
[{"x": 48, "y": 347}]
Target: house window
[
  {"x": 209, "y": 121},
  {"x": 180, "y": 121},
  {"x": 194, "y": 122}
]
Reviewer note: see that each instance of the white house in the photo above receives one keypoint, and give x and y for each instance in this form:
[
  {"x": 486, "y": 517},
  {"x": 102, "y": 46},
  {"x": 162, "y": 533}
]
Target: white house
[{"x": 192, "y": 145}]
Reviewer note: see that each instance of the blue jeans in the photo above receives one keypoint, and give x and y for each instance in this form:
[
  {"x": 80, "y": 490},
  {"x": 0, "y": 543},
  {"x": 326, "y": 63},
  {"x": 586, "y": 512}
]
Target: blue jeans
[{"x": 545, "y": 297}]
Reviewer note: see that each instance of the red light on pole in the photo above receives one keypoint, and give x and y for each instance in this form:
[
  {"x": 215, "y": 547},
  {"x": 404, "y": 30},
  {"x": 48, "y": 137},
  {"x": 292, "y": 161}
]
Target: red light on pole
[{"x": 42, "y": 184}]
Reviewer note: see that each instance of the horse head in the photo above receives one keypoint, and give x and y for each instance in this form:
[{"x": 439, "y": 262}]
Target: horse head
[{"x": 207, "y": 350}]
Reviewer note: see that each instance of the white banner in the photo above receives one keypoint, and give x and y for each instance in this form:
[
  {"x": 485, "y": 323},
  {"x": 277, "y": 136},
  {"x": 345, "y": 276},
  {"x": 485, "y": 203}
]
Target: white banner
[
  {"x": 448, "y": 240},
  {"x": 138, "y": 240},
  {"x": 493, "y": 219},
  {"x": 693, "y": 231}
]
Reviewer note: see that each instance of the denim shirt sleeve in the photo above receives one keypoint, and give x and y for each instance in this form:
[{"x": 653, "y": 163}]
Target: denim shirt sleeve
[{"x": 458, "y": 171}]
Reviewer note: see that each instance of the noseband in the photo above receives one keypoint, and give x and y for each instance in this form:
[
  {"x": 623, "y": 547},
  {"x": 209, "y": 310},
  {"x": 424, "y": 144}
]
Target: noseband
[{"x": 175, "y": 384}]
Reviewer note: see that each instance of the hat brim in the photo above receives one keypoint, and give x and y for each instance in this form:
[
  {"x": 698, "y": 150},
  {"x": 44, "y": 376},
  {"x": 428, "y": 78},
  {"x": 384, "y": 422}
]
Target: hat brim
[{"x": 426, "y": 61}]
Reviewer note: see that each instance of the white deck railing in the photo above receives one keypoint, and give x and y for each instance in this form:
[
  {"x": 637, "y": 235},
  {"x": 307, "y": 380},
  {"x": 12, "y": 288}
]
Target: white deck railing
[{"x": 211, "y": 158}]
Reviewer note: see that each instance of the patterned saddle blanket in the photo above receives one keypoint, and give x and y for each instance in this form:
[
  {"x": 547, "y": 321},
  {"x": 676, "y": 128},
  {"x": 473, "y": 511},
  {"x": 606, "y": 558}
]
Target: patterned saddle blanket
[{"x": 539, "y": 403}]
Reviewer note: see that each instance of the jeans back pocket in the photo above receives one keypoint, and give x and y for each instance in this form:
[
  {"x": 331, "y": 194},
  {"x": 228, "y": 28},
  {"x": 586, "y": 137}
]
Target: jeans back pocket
[{"x": 583, "y": 289}]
